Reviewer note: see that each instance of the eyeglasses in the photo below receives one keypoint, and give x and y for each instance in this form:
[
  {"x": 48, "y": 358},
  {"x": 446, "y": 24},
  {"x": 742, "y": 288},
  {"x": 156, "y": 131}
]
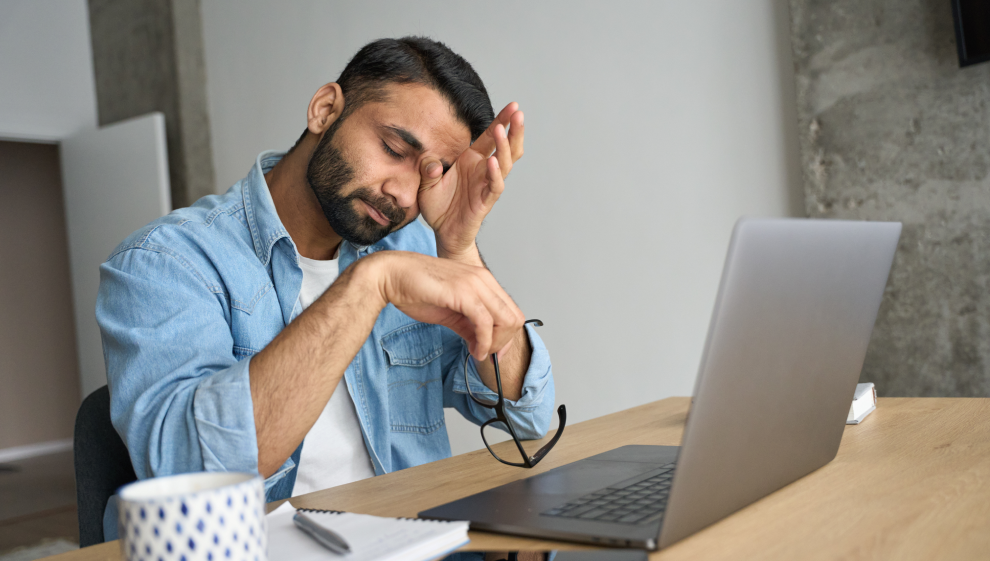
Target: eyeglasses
[{"x": 501, "y": 417}]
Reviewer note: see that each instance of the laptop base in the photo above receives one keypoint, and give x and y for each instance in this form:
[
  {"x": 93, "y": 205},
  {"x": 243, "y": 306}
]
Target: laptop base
[{"x": 514, "y": 508}]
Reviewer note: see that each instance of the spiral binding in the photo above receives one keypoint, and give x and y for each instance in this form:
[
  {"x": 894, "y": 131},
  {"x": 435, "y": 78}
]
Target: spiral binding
[{"x": 321, "y": 511}]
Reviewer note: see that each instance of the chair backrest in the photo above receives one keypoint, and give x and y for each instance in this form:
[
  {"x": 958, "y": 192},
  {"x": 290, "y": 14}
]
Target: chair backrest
[{"x": 102, "y": 464}]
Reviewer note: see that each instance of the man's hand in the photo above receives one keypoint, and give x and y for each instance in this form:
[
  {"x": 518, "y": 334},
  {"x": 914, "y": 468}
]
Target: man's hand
[
  {"x": 465, "y": 298},
  {"x": 294, "y": 376},
  {"x": 455, "y": 203}
]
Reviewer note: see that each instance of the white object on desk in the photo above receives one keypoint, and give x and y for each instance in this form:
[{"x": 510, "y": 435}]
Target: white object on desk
[
  {"x": 194, "y": 516},
  {"x": 370, "y": 537},
  {"x": 864, "y": 402}
]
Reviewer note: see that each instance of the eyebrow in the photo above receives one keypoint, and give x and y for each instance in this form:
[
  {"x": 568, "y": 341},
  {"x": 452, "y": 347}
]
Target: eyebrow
[
  {"x": 412, "y": 141},
  {"x": 406, "y": 137}
]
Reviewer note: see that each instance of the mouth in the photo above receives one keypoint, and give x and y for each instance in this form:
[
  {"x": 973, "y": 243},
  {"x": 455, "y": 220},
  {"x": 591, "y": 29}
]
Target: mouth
[{"x": 375, "y": 214}]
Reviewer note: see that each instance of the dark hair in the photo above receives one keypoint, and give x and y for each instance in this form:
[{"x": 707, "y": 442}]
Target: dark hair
[{"x": 417, "y": 60}]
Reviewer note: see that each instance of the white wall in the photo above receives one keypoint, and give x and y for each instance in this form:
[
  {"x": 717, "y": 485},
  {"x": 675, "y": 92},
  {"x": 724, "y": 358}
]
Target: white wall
[
  {"x": 47, "y": 90},
  {"x": 650, "y": 127}
]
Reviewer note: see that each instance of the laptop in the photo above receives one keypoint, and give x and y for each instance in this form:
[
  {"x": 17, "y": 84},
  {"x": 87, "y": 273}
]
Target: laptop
[{"x": 792, "y": 320}]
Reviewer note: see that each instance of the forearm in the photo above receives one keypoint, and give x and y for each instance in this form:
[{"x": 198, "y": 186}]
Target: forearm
[
  {"x": 512, "y": 365},
  {"x": 531, "y": 413},
  {"x": 514, "y": 361},
  {"x": 293, "y": 378}
]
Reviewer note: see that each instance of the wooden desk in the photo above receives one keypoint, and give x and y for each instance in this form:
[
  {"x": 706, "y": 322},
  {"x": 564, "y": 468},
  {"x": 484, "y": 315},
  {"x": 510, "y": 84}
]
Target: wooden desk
[{"x": 911, "y": 482}]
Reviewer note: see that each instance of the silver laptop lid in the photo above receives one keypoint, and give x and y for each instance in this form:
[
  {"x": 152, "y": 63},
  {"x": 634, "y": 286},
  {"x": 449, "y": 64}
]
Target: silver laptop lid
[{"x": 785, "y": 347}]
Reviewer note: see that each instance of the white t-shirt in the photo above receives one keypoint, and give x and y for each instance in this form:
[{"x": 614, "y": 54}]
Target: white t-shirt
[{"x": 334, "y": 452}]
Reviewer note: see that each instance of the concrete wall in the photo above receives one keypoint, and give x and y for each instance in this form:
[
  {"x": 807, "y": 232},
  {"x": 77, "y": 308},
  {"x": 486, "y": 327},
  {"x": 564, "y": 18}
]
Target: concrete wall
[
  {"x": 46, "y": 70},
  {"x": 651, "y": 126},
  {"x": 892, "y": 129},
  {"x": 148, "y": 56}
]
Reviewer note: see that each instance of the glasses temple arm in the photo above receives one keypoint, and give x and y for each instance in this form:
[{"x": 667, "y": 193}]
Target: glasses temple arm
[{"x": 562, "y": 418}]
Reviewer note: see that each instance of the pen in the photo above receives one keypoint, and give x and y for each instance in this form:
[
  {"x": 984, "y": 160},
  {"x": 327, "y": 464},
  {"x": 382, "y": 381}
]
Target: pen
[{"x": 325, "y": 536}]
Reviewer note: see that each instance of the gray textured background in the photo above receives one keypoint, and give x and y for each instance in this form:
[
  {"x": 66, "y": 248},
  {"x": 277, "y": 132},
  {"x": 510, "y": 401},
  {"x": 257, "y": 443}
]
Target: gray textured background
[{"x": 892, "y": 129}]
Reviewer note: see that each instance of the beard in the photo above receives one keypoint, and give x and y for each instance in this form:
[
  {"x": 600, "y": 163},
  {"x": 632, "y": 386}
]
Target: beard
[{"x": 329, "y": 175}]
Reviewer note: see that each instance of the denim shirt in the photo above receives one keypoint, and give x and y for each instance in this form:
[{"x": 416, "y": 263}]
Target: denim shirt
[{"x": 186, "y": 301}]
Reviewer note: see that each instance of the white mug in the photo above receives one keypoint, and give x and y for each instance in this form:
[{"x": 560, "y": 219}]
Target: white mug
[{"x": 210, "y": 516}]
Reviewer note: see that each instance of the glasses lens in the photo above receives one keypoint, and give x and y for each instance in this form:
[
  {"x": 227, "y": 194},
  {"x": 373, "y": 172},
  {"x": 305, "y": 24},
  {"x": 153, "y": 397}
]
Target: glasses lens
[{"x": 495, "y": 433}]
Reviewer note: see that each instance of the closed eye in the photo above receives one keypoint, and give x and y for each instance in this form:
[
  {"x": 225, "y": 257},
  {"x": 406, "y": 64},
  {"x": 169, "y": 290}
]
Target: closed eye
[{"x": 390, "y": 152}]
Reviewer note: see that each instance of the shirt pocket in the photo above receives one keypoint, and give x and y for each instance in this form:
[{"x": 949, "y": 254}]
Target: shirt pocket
[
  {"x": 255, "y": 319},
  {"x": 415, "y": 382}
]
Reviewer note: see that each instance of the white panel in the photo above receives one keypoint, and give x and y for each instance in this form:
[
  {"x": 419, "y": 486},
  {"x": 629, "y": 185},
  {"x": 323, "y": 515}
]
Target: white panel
[
  {"x": 115, "y": 181},
  {"x": 18, "y": 453},
  {"x": 47, "y": 90}
]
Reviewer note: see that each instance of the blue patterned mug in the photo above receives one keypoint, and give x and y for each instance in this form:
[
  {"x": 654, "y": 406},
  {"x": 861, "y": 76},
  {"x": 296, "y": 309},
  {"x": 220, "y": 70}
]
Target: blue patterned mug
[{"x": 213, "y": 516}]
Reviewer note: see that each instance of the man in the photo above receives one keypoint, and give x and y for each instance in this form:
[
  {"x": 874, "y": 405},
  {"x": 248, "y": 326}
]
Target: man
[{"x": 304, "y": 325}]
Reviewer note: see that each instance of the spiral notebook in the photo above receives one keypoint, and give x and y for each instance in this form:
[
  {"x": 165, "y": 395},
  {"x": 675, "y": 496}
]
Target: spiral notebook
[{"x": 370, "y": 537}]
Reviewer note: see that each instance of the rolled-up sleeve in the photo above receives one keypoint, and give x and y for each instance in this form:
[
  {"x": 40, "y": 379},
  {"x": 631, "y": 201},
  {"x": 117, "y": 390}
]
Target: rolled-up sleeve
[
  {"x": 531, "y": 414},
  {"x": 180, "y": 399}
]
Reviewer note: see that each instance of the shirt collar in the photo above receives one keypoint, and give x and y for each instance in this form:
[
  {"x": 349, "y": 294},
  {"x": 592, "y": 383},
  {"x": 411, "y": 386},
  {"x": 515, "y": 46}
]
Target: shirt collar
[{"x": 262, "y": 218}]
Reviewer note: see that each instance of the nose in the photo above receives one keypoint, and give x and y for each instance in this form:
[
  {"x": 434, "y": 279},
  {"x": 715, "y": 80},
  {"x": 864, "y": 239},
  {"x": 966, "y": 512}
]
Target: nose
[{"x": 403, "y": 187}]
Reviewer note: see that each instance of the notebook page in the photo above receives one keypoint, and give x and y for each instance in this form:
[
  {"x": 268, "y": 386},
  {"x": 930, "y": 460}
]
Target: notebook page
[{"x": 370, "y": 537}]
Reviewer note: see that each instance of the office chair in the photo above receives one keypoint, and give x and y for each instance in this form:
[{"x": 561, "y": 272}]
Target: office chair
[{"x": 102, "y": 464}]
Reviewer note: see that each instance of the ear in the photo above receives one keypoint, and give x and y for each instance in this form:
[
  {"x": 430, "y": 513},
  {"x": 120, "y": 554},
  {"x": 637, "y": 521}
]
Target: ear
[{"x": 325, "y": 107}]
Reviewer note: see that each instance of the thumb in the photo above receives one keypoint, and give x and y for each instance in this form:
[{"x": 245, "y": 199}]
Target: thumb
[{"x": 430, "y": 172}]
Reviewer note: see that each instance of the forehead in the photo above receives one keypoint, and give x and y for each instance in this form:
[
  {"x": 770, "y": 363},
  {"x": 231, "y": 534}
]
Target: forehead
[{"x": 423, "y": 112}]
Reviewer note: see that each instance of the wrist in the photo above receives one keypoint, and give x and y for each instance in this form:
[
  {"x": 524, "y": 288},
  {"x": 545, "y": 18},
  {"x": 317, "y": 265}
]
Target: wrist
[
  {"x": 470, "y": 255},
  {"x": 369, "y": 276}
]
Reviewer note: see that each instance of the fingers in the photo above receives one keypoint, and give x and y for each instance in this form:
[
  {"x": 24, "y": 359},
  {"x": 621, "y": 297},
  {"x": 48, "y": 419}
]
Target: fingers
[
  {"x": 430, "y": 172},
  {"x": 503, "y": 151},
  {"x": 506, "y": 322},
  {"x": 507, "y": 316},
  {"x": 494, "y": 184},
  {"x": 506, "y": 112},
  {"x": 486, "y": 142},
  {"x": 517, "y": 130},
  {"x": 493, "y": 317},
  {"x": 477, "y": 327},
  {"x": 465, "y": 298},
  {"x": 497, "y": 167}
]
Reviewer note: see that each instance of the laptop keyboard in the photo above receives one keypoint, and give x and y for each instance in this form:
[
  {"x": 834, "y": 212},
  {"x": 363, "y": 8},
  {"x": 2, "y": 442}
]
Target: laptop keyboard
[{"x": 635, "y": 501}]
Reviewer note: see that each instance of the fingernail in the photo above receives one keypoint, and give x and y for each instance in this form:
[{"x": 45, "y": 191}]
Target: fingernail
[
  {"x": 496, "y": 162},
  {"x": 431, "y": 168}
]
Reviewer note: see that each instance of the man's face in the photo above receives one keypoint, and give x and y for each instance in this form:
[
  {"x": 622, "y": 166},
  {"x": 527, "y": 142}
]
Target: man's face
[{"x": 365, "y": 171}]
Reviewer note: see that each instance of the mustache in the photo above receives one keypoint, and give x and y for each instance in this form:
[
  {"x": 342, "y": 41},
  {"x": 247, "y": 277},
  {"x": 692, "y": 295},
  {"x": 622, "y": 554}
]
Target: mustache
[{"x": 394, "y": 214}]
